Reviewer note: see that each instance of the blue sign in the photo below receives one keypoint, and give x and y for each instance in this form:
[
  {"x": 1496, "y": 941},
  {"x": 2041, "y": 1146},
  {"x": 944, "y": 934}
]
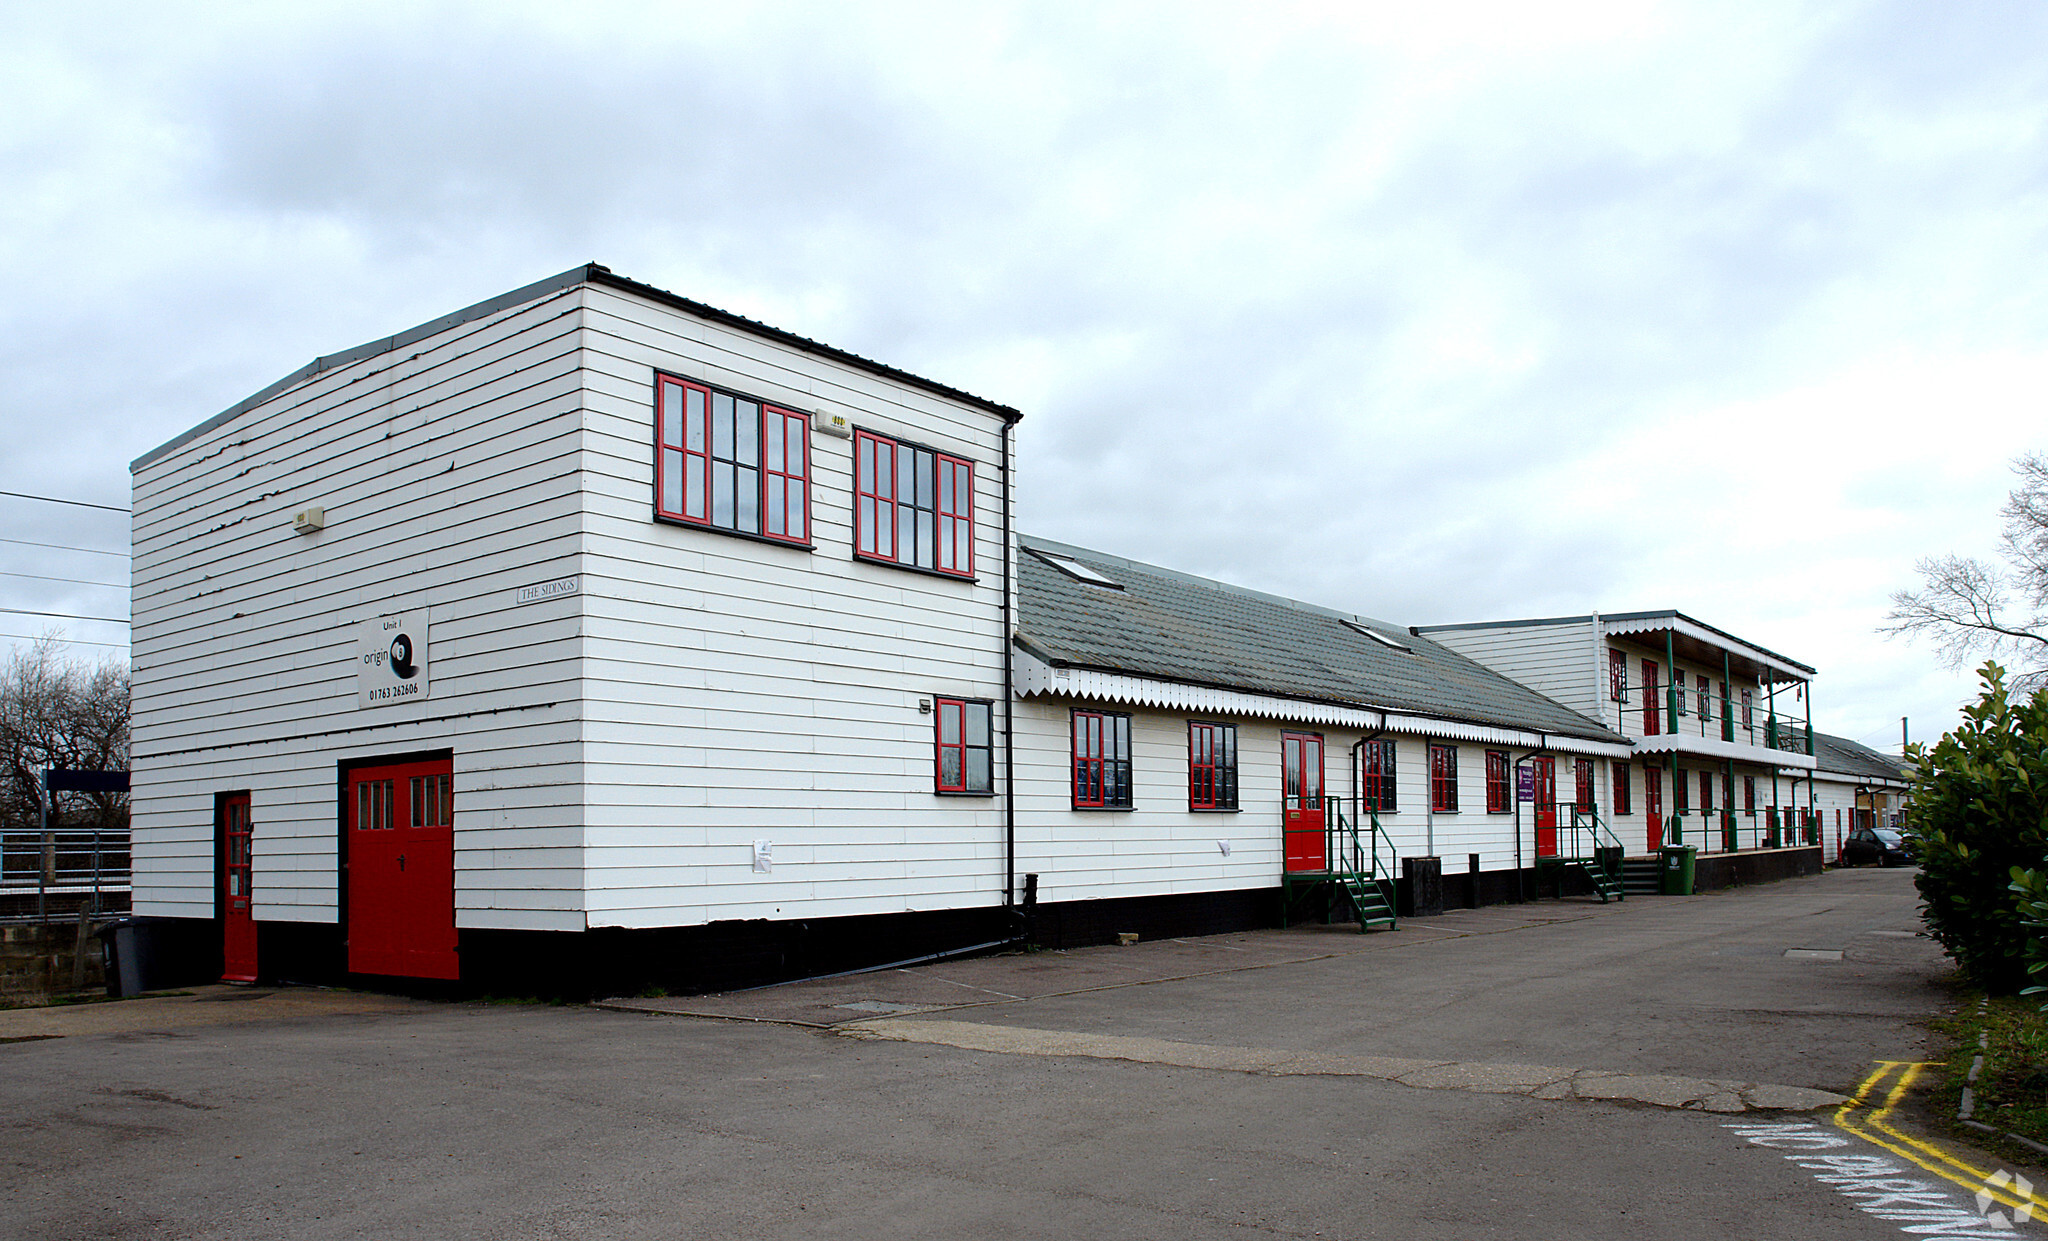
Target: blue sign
[{"x": 1526, "y": 786}]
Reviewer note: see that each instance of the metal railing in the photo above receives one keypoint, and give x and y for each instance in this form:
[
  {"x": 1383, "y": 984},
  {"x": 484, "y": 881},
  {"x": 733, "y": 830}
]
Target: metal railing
[
  {"x": 1766, "y": 827},
  {"x": 68, "y": 862},
  {"x": 1719, "y": 715}
]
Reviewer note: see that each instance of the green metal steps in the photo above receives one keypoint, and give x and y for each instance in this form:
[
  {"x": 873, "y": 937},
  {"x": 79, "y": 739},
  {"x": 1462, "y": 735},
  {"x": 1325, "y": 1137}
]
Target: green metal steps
[
  {"x": 1607, "y": 885},
  {"x": 1368, "y": 901}
]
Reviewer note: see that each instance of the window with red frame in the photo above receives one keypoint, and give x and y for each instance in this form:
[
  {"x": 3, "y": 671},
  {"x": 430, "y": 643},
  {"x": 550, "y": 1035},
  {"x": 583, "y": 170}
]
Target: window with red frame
[
  {"x": 1747, "y": 702},
  {"x": 913, "y": 506},
  {"x": 1582, "y": 796},
  {"x": 1497, "y": 801},
  {"x": 1617, "y": 676},
  {"x": 963, "y": 732},
  {"x": 1706, "y": 791},
  {"x": 1624, "y": 801},
  {"x": 1652, "y": 709},
  {"x": 1212, "y": 766},
  {"x": 729, "y": 462},
  {"x": 1443, "y": 778},
  {"x": 1379, "y": 775},
  {"x": 1681, "y": 798},
  {"x": 1749, "y": 794},
  {"x": 1102, "y": 760},
  {"x": 1706, "y": 703}
]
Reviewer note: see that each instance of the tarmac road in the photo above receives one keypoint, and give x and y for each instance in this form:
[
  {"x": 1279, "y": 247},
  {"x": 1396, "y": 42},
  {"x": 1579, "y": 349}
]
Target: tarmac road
[{"x": 1303, "y": 1083}]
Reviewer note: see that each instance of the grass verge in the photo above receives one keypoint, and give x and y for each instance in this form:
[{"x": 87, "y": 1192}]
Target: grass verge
[{"x": 2011, "y": 1091}]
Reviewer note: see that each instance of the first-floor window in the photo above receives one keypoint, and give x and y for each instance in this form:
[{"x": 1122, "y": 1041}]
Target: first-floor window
[
  {"x": 1497, "y": 782},
  {"x": 1379, "y": 775},
  {"x": 1679, "y": 788},
  {"x": 1212, "y": 766},
  {"x": 1443, "y": 778},
  {"x": 1749, "y": 794},
  {"x": 731, "y": 463},
  {"x": 1623, "y": 802},
  {"x": 1706, "y": 790},
  {"x": 1582, "y": 795},
  {"x": 1748, "y": 704},
  {"x": 966, "y": 755},
  {"x": 1102, "y": 760},
  {"x": 1706, "y": 703},
  {"x": 913, "y": 506}
]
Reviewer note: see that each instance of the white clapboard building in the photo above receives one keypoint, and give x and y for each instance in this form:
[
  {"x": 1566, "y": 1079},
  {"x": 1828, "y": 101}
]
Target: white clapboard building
[{"x": 593, "y": 638}]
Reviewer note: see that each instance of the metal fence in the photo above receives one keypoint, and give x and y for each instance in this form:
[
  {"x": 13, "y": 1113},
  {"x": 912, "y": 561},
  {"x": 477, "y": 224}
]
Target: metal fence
[{"x": 66, "y": 863}]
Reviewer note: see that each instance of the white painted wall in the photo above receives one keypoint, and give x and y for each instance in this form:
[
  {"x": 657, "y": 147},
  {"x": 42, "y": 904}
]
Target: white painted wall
[{"x": 447, "y": 473}]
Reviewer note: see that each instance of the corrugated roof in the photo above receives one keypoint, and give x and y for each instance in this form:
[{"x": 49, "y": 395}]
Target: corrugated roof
[
  {"x": 1842, "y": 756},
  {"x": 1178, "y": 627}
]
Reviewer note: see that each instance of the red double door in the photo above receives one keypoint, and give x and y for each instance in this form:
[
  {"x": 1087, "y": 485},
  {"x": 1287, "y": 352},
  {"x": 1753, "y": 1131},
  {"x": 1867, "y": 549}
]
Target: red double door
[{"x": 401, "y": 870}]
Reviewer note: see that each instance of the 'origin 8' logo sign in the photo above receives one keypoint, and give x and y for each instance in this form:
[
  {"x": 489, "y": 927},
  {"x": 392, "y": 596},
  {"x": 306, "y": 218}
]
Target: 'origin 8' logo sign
[{"x": 2020, "y": 1187}]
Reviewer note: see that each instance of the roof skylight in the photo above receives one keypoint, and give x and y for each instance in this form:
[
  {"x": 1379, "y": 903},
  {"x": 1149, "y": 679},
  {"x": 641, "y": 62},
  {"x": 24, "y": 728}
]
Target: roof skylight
[
  {"x": 1375, "y": 635},
  {"x": 1075, "y": 569}
]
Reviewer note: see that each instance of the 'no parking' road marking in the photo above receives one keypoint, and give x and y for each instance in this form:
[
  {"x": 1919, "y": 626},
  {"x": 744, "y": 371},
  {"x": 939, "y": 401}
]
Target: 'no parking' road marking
[{"x": 1883, "y": 1188}]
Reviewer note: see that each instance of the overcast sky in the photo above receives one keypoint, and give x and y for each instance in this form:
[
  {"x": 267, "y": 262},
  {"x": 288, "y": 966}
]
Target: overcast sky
[{"x": 1433, "y": 312}]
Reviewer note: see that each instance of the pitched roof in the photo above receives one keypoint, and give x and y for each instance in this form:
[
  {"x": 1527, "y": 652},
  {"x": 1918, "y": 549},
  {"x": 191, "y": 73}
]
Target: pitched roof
[
  {"x": 1850, "y": 758},
  {"x": 1177, "y": 627},
  {"x": 585, "y": 273}
]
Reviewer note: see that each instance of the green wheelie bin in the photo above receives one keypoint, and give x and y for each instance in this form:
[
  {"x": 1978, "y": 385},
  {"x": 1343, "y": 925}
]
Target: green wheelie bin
[{"x": 1674, "y": 869}]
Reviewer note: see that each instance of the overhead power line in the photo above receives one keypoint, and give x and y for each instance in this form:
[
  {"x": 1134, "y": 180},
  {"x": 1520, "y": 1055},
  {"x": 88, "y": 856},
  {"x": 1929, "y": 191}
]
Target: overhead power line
[
  {"x": 111, "y": 620},
  {"x": 65, "y": 547},
  {"x": 49, "y": 637},
  {"x": 75, "y": 581},
  {"x": 23, "y": 495}
]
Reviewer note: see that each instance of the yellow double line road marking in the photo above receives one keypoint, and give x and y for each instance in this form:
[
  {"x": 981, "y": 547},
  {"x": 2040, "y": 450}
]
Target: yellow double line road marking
[{"x": 1926, "y": 1155}]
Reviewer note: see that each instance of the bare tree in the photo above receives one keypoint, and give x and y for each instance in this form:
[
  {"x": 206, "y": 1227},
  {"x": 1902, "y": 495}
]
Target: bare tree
[
  {"x": 1970, "y": 608},
  {"x": 61, "y": 713}
]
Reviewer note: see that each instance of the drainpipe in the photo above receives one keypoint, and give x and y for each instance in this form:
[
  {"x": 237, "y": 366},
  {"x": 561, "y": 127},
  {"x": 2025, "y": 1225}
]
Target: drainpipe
[
  {"x": 1542, "y": 748},
  {"x": 1009, "y": 696}
]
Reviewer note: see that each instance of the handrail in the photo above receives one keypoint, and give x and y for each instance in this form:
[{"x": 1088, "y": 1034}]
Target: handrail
[{"x": 1358, "y": 856}]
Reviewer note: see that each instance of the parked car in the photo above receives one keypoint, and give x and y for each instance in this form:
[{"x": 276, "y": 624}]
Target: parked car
[{"x": 1881, "y": 845}]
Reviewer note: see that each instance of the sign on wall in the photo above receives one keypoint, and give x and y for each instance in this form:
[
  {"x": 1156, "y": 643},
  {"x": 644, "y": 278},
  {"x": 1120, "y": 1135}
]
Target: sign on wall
[
  {"x": 391, "y": 659},
  {"x": 1525, "y": 784}
]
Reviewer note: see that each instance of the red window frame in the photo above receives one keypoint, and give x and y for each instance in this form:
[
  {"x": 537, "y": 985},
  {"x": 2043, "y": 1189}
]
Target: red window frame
[
  {"x": 1582, "y": 792},
  {"x": 881, "y": 512},
  {"x": 686, "y": 460},
  {"x": 1102, "y": 760},
  {"x": 1443, "y": 778},
  {"x": 1498, "y": 800},
  {"x": 1749, "y": 794},
  {"x": 1681, "y": 792},
  {"x": 1212, "y": 766},
  {"x": 1617, "y": 675},
  {"x": 1379, "y": 775},
  {"x": 1653, "y": 715},
  {"x": 1624, "y": 798},
  {"x": 957, "y": 743},
  {"x": 1706, "y": 792},
  {"x": 1748, "y": 703},
  {"x": 1706, "y": 702}
]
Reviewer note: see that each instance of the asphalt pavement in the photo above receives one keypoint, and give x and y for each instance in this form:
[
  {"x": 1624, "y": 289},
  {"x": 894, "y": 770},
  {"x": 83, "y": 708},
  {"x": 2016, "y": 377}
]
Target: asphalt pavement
[{"x": 1494, "y": 1072}]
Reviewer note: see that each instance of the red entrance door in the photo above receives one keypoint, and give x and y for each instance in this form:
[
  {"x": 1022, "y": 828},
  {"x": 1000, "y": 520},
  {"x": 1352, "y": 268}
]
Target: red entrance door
[
  {"x": 401, "y": 871},
  {"x": 238, "y": 919},
  {"x": 1653, "y": 805},
  {"x": 1546, "y": 806},
  {"x": 1301, "y": 799}
]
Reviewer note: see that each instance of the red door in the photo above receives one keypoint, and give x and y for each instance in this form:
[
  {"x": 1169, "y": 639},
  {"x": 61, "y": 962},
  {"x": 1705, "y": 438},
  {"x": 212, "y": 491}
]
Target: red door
[
  {"x": 1653, "y": 805},
  {"x": 1301, "y": 800},
  {"x": 238, "y": 919},
  {"x": 401, "y": 870},
  {"x": 1546, "y": 806}
]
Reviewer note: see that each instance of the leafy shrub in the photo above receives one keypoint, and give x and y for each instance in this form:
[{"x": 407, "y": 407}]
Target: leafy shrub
[{"x": 1979, "y": 821}]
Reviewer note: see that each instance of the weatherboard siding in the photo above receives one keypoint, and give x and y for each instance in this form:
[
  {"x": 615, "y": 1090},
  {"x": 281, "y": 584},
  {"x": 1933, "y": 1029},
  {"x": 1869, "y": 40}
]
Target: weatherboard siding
[
  {"x": 1553, "y": 660},
  {"x": 1159, "y": 846},
  {"x": 447, "y": 472},
  {"x": 739, "y": 691}
]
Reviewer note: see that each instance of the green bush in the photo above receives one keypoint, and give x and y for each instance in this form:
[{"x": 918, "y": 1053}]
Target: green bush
[{"x": 1978, "y": 819}]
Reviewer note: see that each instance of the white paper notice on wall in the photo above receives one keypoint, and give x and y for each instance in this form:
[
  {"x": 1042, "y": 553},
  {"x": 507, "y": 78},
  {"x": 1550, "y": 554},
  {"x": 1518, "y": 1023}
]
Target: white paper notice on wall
[
  {"x": 764, "y": 856},
  {"x": 391, "y": 659},
  {"x": 1223, "y": 847}
]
